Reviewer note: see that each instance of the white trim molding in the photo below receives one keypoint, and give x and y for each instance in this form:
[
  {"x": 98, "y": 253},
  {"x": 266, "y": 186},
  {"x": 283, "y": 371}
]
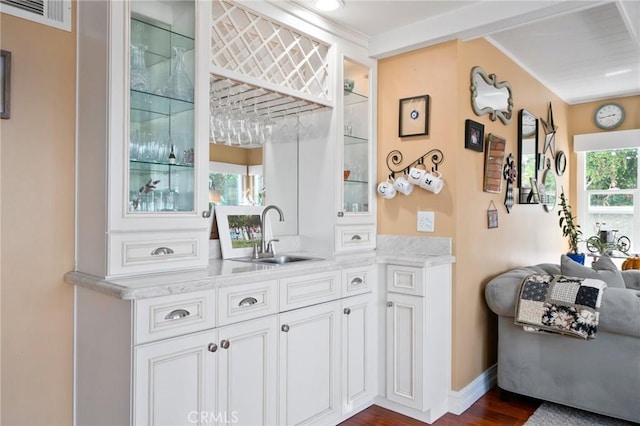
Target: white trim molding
[{"x": 460, "y": 400}]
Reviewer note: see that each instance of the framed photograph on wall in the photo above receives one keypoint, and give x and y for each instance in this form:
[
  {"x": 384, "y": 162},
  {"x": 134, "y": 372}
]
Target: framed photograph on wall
[
  {"x": 414, "y": 116},
  {"x": 5, "y": 83},
  {"x": 492, "y": 216},
  {"x": 474, "y": 135},
  {"x": 239, "y": 228}
]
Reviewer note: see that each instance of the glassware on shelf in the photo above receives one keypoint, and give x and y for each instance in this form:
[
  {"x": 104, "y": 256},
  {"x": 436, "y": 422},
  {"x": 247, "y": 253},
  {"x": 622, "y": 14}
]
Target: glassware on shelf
[
  {"x": 139, "y": 74},
  {"x": 179, "y": 85}
]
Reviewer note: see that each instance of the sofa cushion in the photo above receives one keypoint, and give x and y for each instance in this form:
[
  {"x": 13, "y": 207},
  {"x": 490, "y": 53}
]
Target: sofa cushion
[{"x": 603, "y": 269}]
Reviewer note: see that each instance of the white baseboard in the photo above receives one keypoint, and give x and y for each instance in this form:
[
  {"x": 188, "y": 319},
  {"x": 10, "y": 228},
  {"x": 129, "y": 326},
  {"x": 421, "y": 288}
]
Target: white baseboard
[{"x": 460, "y": 400}]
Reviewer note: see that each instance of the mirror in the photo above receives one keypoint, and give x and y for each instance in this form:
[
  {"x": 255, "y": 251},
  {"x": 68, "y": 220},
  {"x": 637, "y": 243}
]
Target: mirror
[
  {"x": 259, "y": 175},
  {"x": 489, "y": 96},
  {"x": 527, "y": 155},
  {"x": 548, "y": 191}
]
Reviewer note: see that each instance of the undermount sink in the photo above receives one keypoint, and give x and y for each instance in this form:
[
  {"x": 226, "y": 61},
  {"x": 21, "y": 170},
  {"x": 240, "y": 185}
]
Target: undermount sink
[{"x": 278, "y": 260}]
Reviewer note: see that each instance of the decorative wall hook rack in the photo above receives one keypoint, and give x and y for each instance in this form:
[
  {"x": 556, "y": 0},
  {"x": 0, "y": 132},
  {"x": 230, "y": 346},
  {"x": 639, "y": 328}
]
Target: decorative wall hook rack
[{"x": 395, "y": 158}]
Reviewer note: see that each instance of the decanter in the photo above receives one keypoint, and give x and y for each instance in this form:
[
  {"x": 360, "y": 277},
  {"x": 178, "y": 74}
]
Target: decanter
[
  {"x": 179, "y": 85},
  {"x": 139, "y": 74}
]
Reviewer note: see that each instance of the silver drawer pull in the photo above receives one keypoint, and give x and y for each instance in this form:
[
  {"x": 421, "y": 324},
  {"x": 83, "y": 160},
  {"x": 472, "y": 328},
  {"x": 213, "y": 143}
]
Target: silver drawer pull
[
  {"x": 356, "y": 237},
  {"x": 285, "y": 328},
  {"x": 347, "y": 311},
  {"x": 161, "y": 250},
  {"x": 206, "y": 213},
  {"x": 357, "y": 281},
  {"x": 225, "y": 344},
  {"x": 389, "y": 304},
  {"x": 248, "y": 301},
  {"x": 177, "y": 314},
  {"x": 212, "y": 347}
]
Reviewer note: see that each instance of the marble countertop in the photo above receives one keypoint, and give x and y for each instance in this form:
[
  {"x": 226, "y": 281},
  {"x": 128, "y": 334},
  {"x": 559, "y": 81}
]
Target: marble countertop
[{"x": 220, "y": 273}]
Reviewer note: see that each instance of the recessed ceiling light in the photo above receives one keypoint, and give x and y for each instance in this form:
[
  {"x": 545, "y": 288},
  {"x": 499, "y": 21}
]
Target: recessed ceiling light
[
  {"x": 614, "y": 73},
  {"x": 328, "y": 5}
]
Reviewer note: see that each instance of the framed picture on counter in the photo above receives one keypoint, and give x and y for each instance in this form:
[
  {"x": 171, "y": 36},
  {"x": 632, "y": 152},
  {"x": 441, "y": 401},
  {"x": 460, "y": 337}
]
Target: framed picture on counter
[{"x": 239, "y": 228}]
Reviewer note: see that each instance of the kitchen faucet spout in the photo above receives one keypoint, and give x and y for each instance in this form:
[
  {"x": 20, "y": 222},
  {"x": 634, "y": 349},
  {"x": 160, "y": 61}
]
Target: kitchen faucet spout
[{"x": 267, "y": 249}]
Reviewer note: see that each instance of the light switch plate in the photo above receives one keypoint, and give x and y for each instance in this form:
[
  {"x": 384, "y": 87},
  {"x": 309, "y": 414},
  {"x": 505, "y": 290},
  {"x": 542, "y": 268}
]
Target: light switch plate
[{"x": 426, "y": 221}]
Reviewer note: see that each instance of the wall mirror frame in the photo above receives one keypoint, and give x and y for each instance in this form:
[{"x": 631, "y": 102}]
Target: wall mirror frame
[
  {"x": 489, "y": 96},
  {"x": 528, "y": 129}
]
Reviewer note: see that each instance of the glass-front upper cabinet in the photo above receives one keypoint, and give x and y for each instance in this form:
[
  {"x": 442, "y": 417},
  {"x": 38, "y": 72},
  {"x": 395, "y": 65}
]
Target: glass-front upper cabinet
[
  {"x": 161, "y": 173},
  {"x": 356, "y": 153}
]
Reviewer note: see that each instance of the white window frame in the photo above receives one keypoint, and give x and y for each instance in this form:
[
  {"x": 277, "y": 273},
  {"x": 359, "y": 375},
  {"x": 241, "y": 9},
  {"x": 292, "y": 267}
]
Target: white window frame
[{"x": 606, "y": 141}]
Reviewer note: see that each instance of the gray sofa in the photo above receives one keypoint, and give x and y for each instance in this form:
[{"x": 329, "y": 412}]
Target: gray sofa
[{"x": 600, "y": 375}]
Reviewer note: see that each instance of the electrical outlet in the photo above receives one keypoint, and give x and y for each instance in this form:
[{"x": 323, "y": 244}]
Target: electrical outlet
[{"x": 426, "y": 221}]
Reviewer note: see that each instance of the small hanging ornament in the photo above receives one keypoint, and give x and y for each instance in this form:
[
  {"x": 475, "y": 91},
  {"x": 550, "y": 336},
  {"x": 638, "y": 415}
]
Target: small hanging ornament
[
  {"x": 492, "y": 216},
  {"x": 510, "y": 173}
]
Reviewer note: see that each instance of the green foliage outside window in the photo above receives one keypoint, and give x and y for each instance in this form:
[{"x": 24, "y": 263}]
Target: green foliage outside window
[{"x": 614, "y": 169}]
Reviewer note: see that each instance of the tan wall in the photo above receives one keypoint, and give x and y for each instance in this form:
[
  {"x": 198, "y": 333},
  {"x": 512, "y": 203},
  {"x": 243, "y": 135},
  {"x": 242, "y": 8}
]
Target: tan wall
[
  {"x": 235, "y": 155},
  {"x": 37, "y": 197},
  {"x": 528, "y": 235}
]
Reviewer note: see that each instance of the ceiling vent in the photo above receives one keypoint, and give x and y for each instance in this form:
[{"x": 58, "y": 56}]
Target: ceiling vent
[{"x": 54, "y": 13}]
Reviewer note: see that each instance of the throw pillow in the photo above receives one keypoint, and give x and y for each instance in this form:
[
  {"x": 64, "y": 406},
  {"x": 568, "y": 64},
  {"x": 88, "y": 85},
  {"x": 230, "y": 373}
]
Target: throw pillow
[{"x": 603, "y": 269}]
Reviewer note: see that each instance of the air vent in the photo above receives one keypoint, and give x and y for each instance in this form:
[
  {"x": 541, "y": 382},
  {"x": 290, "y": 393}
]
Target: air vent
[{"x": 54, "y": 13}]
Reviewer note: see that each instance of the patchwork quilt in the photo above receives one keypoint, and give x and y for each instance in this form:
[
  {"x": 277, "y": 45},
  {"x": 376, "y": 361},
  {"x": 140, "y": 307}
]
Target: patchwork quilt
[{"x": 560, "y": 304}]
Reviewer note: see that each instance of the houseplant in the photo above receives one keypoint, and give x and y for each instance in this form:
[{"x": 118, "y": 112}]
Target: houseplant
[{"x": 570, "y": 229}]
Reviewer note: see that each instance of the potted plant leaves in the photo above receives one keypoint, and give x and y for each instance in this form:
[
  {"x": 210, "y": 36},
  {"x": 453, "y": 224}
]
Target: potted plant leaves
[{"x": 570, "y": 229}]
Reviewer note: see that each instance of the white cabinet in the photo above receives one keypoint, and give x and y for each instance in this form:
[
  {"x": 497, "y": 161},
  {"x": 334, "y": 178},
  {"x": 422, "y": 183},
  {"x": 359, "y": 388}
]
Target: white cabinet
[
  {"x": 142, "y": 136},
  {"x": 418, "y": 340},
  {"x": 358, "y": 352},
  {"x": 309, "y": 376},
  {"x": 247, "y": 371},
  {"x": 175, "y": 381},
  {"x": 355, "y": 225}
]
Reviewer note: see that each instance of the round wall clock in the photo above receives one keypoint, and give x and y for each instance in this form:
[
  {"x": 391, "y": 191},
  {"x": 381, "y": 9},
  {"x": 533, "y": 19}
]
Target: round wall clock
[
  {"x": 529, "y": 125},
  {"x": 609, "y": 116}
]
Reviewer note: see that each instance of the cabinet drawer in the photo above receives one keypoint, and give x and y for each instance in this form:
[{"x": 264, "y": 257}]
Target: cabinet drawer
[
  {"x": 170, "y": 316},
  {"x": 357, "y": 281},
  {"x": 405, "y": 279},
  {"x": 296, "y": 292},
  {"x": 355, "y": 237},
  {"x": 137, "y": 253},
  {"x": 247, "y": 301}
]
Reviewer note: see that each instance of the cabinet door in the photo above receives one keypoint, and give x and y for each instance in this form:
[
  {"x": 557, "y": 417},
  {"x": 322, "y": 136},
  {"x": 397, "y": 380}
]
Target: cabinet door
[
  {"x": 247, "y": 372},
  {"x": 358, "y": 351},
  {"x": 309, "y": 386},
  {"x": 159, "y": 118},
  {"x": 356, "y": 156},
  {"x": 174, "y": 381},
  {"x": 405, "y": 350}
]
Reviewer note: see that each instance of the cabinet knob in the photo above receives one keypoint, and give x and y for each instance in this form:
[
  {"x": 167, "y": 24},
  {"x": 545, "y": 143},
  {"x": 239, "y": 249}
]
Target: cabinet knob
[
  {"x": 248, "y": 301},
  {"x": 340, "y": 214},
  {"x": 161, "y": 250},
  {"x": 212, "y": 347},
  {"x": 347, "y": 311},
  {"x": 389, "y": 304},
  {"x": 285, "y": 328},
  {"x": 206, "y": 213},
  {"x": 225, "y": 344},
  {"x": 177, "y": 314}
]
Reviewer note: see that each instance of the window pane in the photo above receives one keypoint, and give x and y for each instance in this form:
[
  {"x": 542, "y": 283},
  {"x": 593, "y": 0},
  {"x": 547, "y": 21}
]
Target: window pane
[
  {"x": 611, "y": 200},
  {"x": 623, "y": 223},
  {"x": 617, "y": 168}
]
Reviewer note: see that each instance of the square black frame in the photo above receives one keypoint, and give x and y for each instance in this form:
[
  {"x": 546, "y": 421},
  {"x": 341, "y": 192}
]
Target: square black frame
[
  {"x": 413, "y": 116},
  {"x": 474, "y": 135}
]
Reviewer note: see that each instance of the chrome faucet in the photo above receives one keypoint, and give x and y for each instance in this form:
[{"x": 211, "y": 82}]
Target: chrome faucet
[{"x": 267, "y": 247}]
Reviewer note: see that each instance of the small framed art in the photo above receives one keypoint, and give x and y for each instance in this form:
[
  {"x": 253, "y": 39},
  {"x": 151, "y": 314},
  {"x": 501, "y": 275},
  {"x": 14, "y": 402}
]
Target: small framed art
[
  {"x": 492, "y": 216},
  {"x": 414, "y": 116},
  {"x": 474, "y": 135},
  {"x": 5, "y": 83},
  {"x": 239, "y": 228}
]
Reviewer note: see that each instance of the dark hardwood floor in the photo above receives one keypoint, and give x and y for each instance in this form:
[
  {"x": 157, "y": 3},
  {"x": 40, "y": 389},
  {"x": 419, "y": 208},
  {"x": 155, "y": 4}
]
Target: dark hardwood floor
[{"x": 490, "y": 410}]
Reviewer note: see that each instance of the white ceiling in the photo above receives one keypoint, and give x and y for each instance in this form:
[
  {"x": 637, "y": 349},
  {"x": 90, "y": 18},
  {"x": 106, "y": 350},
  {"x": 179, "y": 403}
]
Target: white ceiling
[{"x": 570, "y": 46}]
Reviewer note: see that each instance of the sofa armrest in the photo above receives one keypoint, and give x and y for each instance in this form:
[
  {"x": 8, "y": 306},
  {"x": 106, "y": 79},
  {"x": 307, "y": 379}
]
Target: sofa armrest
[
  {"x": 501, "y": 292},
  {"x": 620, "y": 311},
  {"x": 631, "y": 278}
]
